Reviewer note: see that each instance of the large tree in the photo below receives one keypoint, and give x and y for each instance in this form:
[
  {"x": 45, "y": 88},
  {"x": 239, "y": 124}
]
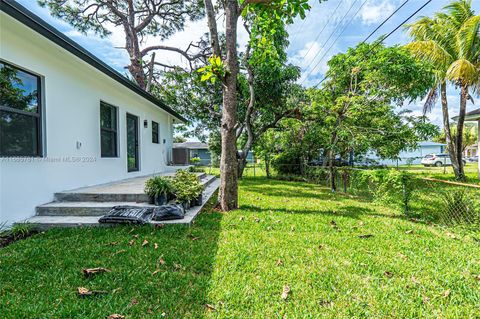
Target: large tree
[
  {"x": 268, "y": 12},
  {"x": 138, "y": 19},
  {"x": 450, "y": 41},
  {"x": 356, "y": 103}
]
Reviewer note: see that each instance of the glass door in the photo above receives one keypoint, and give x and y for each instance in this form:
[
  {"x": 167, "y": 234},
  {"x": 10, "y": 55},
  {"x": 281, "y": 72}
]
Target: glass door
[{"x": 132, "y": 143}]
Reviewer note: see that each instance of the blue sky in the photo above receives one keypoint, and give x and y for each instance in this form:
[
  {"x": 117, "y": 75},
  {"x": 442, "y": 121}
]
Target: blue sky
[{"x": 307, "y": 45}]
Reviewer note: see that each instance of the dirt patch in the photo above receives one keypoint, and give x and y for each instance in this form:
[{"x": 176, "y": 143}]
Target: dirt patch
[{"x": 8, "y": 238}]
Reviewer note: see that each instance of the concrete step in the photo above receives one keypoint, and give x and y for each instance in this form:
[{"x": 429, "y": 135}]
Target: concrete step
[
  {"x": 46, "y": 222},
  {"x": 100, "y": 197},
  {"x": 138, "y": 197},
  {"x": 81, "y": 208},
  {"x": 84, "y": 204}
]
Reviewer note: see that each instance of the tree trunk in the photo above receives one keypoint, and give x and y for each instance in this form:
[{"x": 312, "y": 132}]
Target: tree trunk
[
  {"x": 131, "y": 45},
  {"x": 267, "y": 165},
  {"x": 228, "y": 194},
  {"x": 242, "y": 163},
  {"x": 448, "y": 132},
  {"x": 460, "y": 127}
]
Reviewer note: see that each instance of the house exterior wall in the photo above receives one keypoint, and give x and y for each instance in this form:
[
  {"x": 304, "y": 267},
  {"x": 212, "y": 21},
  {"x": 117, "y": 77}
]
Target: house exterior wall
[
  {"x": 203, "y": 154},
  {"x": 413, "y": 157},
  {"x": 72, "y": 91}
]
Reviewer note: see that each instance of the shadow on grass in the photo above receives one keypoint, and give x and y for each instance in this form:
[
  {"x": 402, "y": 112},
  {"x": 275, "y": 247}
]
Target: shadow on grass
[
  {"x": 276, "y": 188},
  {"x": 156, "y": 272}
]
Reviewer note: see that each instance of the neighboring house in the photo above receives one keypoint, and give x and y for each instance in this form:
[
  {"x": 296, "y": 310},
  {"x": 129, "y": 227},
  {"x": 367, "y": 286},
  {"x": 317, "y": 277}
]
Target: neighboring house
[
  {"x": 471, "y": 151},
  {"x": 68, "y": 120},
  {"x": 413, "y": 156},
  {"x": 184, "y": 152}
]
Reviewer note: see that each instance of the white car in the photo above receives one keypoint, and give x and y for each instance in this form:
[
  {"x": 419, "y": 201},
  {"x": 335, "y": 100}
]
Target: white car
[{"x": 438, "y": 160}]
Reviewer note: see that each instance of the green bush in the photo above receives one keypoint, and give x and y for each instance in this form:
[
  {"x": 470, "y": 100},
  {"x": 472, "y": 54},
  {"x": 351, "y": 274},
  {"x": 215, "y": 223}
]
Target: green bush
[
  {"x": 158, "y": 185},
  {"x": 195, "y": 160},
  {"x": 287, "y": 163},
  {"x": 186, "y": 186}
]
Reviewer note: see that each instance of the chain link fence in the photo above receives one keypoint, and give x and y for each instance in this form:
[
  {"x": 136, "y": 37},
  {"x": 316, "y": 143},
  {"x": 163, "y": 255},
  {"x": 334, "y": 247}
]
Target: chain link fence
[{"x": 433, "y": 200}]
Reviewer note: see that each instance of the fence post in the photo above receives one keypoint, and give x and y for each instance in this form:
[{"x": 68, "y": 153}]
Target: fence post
[
  {"x": 345, "y": 176},
  {"x": 405, "y": 193}
]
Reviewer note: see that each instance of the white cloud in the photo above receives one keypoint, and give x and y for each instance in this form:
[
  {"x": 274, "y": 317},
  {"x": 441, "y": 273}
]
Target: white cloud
[{"x": 376, "y": 11}]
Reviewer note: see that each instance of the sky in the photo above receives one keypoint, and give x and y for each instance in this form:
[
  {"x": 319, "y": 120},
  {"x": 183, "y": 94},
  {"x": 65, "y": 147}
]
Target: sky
[{"x": 330, "y": 27}]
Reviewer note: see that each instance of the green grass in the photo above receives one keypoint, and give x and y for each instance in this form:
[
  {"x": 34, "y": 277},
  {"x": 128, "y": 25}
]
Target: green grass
[
  {"x": 230, "y": 261},
  {"x": 444, "y": 173}
]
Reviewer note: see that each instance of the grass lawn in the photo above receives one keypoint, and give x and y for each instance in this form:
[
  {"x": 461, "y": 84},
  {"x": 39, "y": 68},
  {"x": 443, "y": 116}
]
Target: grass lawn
[
  {"x": 285, "y": 234},
  {"x": 444, "y": 173}
]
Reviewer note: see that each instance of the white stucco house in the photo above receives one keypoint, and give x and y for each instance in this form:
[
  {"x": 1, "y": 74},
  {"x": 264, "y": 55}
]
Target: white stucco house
[
  {"x": 67, "y": 119},
  {"x": 413, "y": 156}
]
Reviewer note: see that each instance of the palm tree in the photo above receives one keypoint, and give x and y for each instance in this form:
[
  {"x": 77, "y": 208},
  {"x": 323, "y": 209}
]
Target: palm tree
[{"x": 450, "y": 42}]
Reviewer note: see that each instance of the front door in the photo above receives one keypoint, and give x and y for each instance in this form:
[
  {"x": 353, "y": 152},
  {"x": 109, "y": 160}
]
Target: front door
[{"x": 132, "y": 143}]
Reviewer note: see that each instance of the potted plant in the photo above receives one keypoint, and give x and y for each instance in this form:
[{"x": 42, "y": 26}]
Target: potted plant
[
  {"x": 187, "y": 188},
  {"x": 158, "y": 188}
]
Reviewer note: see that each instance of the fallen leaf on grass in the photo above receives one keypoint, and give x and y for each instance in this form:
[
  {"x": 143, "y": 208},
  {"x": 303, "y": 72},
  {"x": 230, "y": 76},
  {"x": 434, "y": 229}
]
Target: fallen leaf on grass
[
  {"x": 119, "y": 252},
  {"x": 365, "y": 236},
  {"x": 269, "y": 228},
  {"x": 210, "y": 307},
  {"x": 145, "y": 243},
  {"x": 155, "y": 245},
  {"x": 135, "y": 236},
  {"x": 257, "y": 220},
  {"x": 408, "y": 232},
  {"x": 292, "y": 228},
  {"x": 415, "y": 280},
  {"x": 426, "y": 300},
  {"x": 84, "y": 292},
  {"x": 285, "y": 292},
  {"x": 279, "y": 262},
  {"x": 160, "y": 226},
  {"x": 446, "y": 293},
  {"x": 333, "y": 223},
  {"x": 320, "y": 246},
  {"x": 404, "y": 257},
  {"x": 326, "y": 303},
  {"x": 131, "y": 242},
  {"x": 161, "y": 261},
  {"x": 155, "y": 272},
  {"x": 89, "y": 272},
  {"x": 242, "y": 218},
  {"x": 452, "y": 236},
  {"x": 113, "y": 243},
  {"x": 388, "y": 274},
  {"x": 133, "y": 302},
  {"x": 116, "y": 316},
  {"x": 193, "y": 238},
  {"x": 477, "y": 277}
]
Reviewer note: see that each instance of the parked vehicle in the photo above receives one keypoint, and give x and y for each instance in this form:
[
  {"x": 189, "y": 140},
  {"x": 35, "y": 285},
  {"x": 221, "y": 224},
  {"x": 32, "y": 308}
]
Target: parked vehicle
[
  {"x": 337, "y": 162},
  {"x": 472, "y": 159},
  {"x": 437, "y": 160}
]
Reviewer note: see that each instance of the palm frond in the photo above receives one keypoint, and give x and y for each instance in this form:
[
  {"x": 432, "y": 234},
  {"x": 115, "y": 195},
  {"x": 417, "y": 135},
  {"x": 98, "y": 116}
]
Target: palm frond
[
  {"x": 422, "y": 29},
  {"x": 463, "y": 71},
  {"x": 431, "y": 52},
  {"x": 459, "y": 11},
  {"x": 431, "y": 100},
  {"x": 468, "y": 39}
]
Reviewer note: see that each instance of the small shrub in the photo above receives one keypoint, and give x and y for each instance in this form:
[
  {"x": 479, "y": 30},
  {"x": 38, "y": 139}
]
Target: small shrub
[
  {"x": 186, "y": 186},
  {"x": 195, "y": 161},
  {"x": 196, "y": 169},
  {"x": 21, "y": 230},
  {"x": 157, "y": 186},
  {"x": 287, "y": 163}
]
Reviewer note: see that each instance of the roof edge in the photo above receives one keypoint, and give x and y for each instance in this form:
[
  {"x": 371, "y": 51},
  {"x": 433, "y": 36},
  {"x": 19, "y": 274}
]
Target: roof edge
[{"x": 31, "y": 20}]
